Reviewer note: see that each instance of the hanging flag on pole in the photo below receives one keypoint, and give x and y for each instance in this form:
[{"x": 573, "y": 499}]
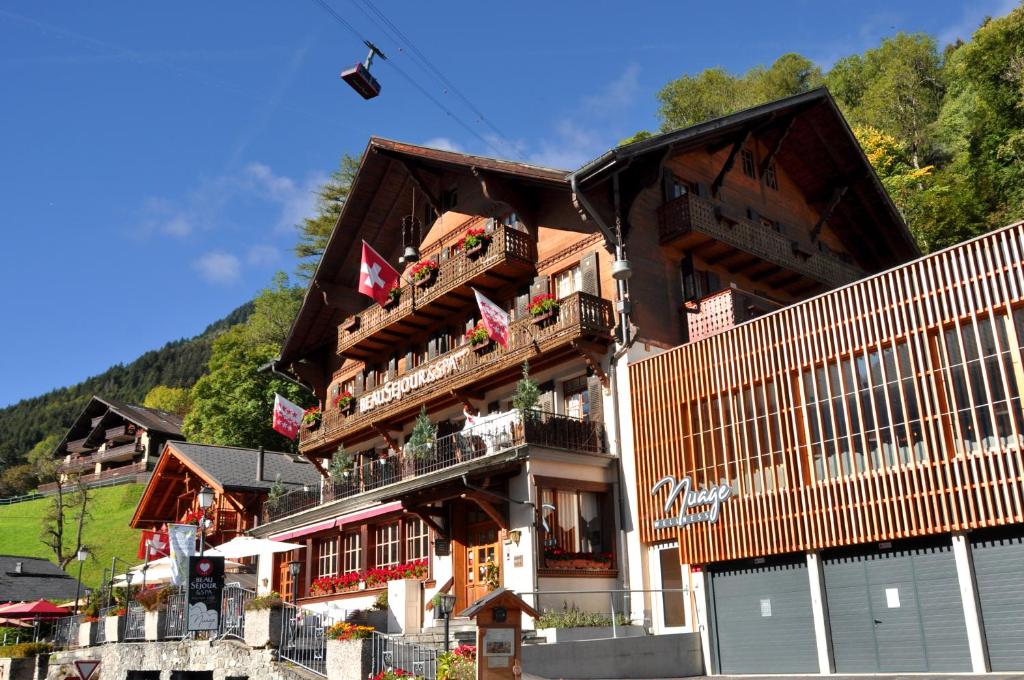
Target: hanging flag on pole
[
  {"x": 183, "y": 545},
  {"x": 287, "y": 416},
  {"x": 496, "y": 320},
  {"x": 153, "y": 545},
  {"x": 376, "y": 276}
]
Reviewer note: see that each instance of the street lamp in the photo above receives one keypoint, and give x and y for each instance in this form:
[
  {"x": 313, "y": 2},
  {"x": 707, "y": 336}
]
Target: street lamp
[
  {"x": 446, "y": 603},
  {"x": 294, "y": 567},
  {"x": 205, "y": 501},
  {"x": 82, "y": 556}
]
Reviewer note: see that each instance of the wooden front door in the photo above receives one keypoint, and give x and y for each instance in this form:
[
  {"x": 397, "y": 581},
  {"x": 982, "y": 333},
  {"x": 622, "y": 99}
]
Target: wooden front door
[{"x": 478, "y": 551}]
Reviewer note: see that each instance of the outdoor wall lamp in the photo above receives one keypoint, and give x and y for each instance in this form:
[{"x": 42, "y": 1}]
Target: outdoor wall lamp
[
  {"x": 205, "y": 497},
  {"x": 515, "y": 535},
  {"x": 294, "y": 567},
  {"x": 83, "y": 555},
  {"x": 446, "y": 603}
]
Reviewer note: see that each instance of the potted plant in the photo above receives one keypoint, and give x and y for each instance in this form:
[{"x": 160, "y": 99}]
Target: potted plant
[
  {"x": 114, "y": 623},
  {"x": 474, "y": 242},
  {"x": 394, "y": 297},
  {"x": 312, "y": 417},
  {"x": 492, "y": 575},
  {"x": 345, "y": 402},
  {"x": 263, "y": 617},
  {"x": 478, "y": 338},
  {"x": 154, "y": 601},
  {"x": 543, "y": 307},
  {"x": 423, "y": 273},
  {"x": 341, "y": 467},
  {"x": 420, "y": 445},
  {"x": 349, "y": 650}
]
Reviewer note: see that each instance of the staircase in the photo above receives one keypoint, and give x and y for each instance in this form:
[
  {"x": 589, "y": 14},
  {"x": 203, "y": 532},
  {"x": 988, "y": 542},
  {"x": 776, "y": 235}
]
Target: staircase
[{"x": 461, "y": 631}]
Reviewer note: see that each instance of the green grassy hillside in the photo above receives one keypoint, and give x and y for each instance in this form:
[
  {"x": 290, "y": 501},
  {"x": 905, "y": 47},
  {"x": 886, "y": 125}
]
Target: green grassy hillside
[{"x": 106, "y": 534}]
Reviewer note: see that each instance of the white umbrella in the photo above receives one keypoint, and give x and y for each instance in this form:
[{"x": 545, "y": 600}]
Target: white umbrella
[{"x": 250, "y": 546}]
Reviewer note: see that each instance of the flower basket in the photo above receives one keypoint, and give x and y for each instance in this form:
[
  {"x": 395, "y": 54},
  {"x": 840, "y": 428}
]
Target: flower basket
[
  {"x": 474, "y": 242},
  {"x": 345, "y": 402},
  {"x": 478, "y": 338},
  {"x": 311, "y": 418},
  {"x": 424, "y": 273},
  {"x": 543, "y": 307}
]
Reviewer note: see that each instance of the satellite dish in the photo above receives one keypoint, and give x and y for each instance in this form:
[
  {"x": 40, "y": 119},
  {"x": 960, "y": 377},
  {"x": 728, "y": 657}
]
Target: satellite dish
[{"x": 359, "y": 77}]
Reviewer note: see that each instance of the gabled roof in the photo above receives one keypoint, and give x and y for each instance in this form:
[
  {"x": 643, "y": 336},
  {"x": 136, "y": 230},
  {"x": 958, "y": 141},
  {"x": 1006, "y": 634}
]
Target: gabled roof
[
  {"x": 39, "y": 579},
  {"x": 150, "y": 419},
  {"x": 234, "y": 469}
]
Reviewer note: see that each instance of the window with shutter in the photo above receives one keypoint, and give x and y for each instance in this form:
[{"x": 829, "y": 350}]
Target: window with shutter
[
  {"x": 522, "y": 304},
  {"x": 568, "y": 282},
  {"x": 589, "y": 282},
  {"x": 596, "y": 391},
  {"x": 539, "y": 286}
]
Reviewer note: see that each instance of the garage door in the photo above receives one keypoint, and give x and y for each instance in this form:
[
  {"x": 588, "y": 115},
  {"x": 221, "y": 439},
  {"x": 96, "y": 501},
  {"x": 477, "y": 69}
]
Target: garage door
[
  {"x": 762, "y": 618},
  {"x": 999, "y": 573},
  {"x": 896, "y": 610}
]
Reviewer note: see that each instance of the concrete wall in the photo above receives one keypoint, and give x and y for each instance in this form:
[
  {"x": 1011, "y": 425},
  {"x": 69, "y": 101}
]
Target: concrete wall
[
  {"x": 23, "y": 669},
  {"x": 654, "y": 656},
  {"x": 223, "y": 657}
]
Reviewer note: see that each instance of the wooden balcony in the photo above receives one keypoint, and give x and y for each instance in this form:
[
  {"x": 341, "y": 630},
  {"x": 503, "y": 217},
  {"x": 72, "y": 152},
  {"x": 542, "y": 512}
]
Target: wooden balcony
[
  {"x": 509, "y": 257},
  {"x": 80, "y": 446},
  {"x": 122, "y": 432},
  {"x": 721, "y": 232},
  {"x": 79, "y": 464},
  {"x": 448, "y": 457},
  {"x": 119, "y": 453},
  {"x": 581, "y": 317},
  {"x": 723, "y": 310}
]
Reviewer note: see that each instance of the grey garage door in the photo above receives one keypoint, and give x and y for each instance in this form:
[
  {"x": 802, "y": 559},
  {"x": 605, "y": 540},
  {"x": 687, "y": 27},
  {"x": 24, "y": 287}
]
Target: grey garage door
[
  {"x": 762, "y": 618},
  {"x": 999, "y": 573},
  {"x": 896, "y": 610}
]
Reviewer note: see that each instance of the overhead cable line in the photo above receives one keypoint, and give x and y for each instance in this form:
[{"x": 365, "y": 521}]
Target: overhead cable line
[{"x": 426, "y": 93}]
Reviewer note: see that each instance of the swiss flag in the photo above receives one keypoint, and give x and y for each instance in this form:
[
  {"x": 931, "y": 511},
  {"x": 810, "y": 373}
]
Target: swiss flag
[
  {"x": 376, "y": 276},
  {"x": 153, "y": 546},
  {"x": 496, "y": 320},
  {"x": 287, "y": 416}
]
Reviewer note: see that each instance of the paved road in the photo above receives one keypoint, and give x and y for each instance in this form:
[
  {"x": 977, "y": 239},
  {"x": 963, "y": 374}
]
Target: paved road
[{"x": 865, "y": 676}]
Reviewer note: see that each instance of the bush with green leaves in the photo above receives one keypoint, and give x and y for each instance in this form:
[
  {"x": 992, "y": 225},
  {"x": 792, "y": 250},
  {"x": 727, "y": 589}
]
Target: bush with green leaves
[
  {"x": 269, "y": 601},
  {"x": 574, "y": 617},
  {"x": 25, "y": 650}
]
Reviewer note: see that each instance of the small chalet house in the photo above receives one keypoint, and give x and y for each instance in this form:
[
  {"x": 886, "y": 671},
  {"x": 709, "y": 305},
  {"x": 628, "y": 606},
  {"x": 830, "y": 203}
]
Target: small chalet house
[
  {"x": 240, "y": 479},
  {"x": 647, "y": 247},
  {"x": 111, "y": 439},
  {"x": 26, "y": 579}
]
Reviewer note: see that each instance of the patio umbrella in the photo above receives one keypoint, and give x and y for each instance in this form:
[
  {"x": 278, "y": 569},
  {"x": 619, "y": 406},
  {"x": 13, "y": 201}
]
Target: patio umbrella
[
  {"x": 159, "y": 571},
  {"x": 29, "y": 610},
  {"x": 250, "y": 546}
]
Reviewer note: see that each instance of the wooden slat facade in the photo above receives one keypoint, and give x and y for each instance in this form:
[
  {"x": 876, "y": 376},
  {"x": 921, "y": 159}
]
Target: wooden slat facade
[{"x": 885, "y": 409}]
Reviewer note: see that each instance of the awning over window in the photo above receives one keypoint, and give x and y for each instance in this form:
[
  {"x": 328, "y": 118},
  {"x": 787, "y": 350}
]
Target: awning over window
[{"x": 344, "y": 520}]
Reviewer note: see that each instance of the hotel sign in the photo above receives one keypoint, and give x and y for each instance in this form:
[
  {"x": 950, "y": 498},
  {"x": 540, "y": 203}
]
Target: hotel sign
[
  {"x": 711, "y": 497},
  {"x": 396, "y": 389}
]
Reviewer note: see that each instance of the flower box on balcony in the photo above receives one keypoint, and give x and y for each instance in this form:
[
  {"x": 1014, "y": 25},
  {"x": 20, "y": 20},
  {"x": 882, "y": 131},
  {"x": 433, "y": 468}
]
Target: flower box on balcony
[
  {"x": 543, "y": 307},
  {"x": 424, "y": 273},
  {"x": 482, "y": 346},
  {"x": 477, "y": 250},
  {"x": 350, "y": 324},
  {"x": 394, "y": 297},
  {"x": 544, "y": 316}
]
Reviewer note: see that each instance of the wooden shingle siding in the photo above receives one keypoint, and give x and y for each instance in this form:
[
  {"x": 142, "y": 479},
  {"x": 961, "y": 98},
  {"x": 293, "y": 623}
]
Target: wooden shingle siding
[{"x": 888, "y": 408}]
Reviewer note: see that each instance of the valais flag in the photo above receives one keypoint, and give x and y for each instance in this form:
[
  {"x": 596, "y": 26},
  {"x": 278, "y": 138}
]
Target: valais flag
[
  {"x": 154, "y": 545},
  {"x": 496, "y": 320},
  {"x": 376, "y": 276},
  {"x": 287, "y": 416}
]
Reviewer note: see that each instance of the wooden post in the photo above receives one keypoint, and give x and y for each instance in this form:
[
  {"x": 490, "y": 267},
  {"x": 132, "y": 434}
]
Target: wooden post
[{"x": 499, "y": 633}]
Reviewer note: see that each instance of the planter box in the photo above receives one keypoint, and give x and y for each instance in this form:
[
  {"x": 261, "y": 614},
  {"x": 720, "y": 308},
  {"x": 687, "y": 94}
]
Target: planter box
[
  {"x": 545, "y": 316},
  {"x": 554, "y": 635},
  {"x": 263, "y": 627},
  {"x": 87, "y": 633},
  {"x": 114, "y": 628},
  {"x": 155, "y": 623},
  {"x": 478, "y": 249},
  {"x": 349, "y": 659},
  {"x": 426, "y": 280},
  {"x": 482, "y": 347}
]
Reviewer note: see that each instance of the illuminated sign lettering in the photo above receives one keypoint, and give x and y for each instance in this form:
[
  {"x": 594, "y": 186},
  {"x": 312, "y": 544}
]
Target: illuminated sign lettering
[{"x": 682, "y": 491}]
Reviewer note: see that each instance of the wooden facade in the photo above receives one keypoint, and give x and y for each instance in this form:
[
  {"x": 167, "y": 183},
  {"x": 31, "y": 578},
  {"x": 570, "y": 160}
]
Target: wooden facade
[{"x": 886, "y": 409}]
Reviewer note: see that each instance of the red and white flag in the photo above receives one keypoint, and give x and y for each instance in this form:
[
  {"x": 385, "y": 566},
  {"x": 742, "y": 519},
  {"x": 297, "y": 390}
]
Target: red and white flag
[
  {"x": 496, "y": 320},
  {"x": 153, "y": 546},
  {"x": 287, "y": 417},
  {"x": 376, "y": 276}
]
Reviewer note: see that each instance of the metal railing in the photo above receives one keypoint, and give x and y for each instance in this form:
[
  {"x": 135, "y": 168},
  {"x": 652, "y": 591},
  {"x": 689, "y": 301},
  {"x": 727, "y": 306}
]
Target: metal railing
[
  {"x": 232, "y": 617},
  {"x": 393, "y": 653},
  {"x": 303, "y": 640},
  {"x": 174, "y": 619},
  {"x": 135, "y": 622},
  {"x": 101, "y": 624},
  {"x": 538, "y": 428},
  {"x": 64, "y": 632},
  {"x": 613, "y": 608}
]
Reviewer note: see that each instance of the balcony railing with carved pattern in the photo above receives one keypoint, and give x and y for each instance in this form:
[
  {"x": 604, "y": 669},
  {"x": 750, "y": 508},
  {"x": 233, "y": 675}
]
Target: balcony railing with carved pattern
[
  {"x": 723, "y": 310},
  {"x": 689, "y": 214},
  {"x": 510, "y": 253},
  {"x": 511, "y": 430},
  {"x": 580, "y": 316}
]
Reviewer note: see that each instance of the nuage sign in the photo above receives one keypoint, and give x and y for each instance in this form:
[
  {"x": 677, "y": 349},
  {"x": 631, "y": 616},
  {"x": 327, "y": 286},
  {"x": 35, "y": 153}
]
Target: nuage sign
[{"x": 710, "y": 497}]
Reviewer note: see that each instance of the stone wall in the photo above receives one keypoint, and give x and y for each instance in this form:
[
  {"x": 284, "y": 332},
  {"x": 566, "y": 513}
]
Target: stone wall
[{"x": 225, "y": 658}]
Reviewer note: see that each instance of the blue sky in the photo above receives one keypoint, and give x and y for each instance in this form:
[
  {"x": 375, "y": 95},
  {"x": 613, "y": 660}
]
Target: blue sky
[{"x": 156, "y": 156}]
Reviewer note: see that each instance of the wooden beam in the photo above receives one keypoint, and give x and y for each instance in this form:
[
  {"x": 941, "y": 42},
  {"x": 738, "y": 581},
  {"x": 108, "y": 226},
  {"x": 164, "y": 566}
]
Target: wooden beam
[
  {"x": 837, "y": 196},
  {"x": 392, "y": 444},
  {"x": 421, "y": 184},
  {"x": 427, "y": 517},
  {"x": 494, "y": 513},
  {"x": 767, "y": 161},
  {"x": 593, "y": 363},
  {"x": 319, "y": 467},
  {"x": 727, "y": 166}
]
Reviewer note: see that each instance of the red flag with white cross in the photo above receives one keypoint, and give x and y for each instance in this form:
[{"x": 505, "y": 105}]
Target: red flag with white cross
[
  {"x": 376, "y": 276},
  {"x": 153, "y": 545}
]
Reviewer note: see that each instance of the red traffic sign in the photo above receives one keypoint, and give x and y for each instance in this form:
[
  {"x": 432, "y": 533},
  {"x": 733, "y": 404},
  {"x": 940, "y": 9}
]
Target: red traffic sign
[{"x": 86, "y": 668}]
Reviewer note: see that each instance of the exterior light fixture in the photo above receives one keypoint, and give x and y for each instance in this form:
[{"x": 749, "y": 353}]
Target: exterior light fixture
[
  {"x": 294, "y": 567},
  {"x": 446, "y": 603},
  {"x": 82, "y": 556},
  {"x": 515, "y": 535},
  {"x": 621, "y": 270},
  {"x": 205, "y": 497}
]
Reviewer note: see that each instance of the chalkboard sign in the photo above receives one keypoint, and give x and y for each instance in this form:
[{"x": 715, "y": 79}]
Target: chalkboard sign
[{"x": 205, "y": 586}]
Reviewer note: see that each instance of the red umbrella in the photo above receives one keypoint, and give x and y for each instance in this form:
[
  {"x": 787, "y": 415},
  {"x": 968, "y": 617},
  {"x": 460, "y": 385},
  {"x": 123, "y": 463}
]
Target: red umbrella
[{"x": 27, "y": 610}]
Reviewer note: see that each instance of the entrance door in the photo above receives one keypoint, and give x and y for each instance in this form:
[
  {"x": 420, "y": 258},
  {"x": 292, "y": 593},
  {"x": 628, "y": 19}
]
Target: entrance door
[
  {"x": 896, "y": 611},
  {"x": 478, "y": 562}
]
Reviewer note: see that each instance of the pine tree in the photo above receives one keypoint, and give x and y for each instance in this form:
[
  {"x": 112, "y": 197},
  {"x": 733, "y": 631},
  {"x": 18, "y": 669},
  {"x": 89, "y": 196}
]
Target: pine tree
[
  {"x": 341, "y": 463},
  {"x": 421, "y": 439},
  {"x": 314, "y": 232},
  {"x": 527, "y": 391}
]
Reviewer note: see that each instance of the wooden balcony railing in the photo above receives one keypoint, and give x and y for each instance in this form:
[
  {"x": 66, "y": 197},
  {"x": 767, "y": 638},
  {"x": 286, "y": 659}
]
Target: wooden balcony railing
[
  {"x": 537, "y": 428},
  {"x": 80, "y": 446},
  {"x": 89, "y": 479},
  {"x": 509, "y": 249},
  {"x": 580, "y": 316},
  {"x": 688, "y": 214},
  {"x": 723, "y": 310}
]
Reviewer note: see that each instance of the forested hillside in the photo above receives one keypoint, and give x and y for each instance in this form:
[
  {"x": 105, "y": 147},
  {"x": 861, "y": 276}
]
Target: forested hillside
[{"x": 177, "y": 364}]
